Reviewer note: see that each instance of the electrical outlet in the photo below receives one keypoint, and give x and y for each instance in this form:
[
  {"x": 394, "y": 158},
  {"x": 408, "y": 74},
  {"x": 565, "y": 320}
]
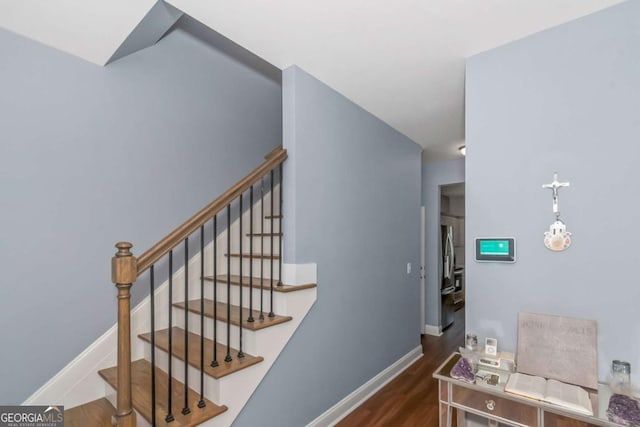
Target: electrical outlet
[{"x": 408, "y": 268}]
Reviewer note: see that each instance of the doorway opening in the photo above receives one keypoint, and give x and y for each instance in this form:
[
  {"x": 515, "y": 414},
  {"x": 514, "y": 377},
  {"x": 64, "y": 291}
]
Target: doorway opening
[{"x": 452, "y": 254}]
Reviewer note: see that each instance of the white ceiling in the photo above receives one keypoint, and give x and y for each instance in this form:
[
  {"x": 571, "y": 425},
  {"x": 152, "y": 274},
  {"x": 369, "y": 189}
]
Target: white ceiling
[
  {"x": 403, "y": 61},
  {"x": 90, "y": 29}
]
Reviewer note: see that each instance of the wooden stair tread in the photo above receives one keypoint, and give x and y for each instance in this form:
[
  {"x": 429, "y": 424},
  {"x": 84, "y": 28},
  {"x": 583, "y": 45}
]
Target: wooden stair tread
[
  {"x": 266, "y": 283},
  {"x": 194, "y": 307},
  {"x": 96, "y": 414},
  {"x": 254, "y": 256},
  {"x": 223, "y": 368},
  {"x": 141, "y": 393}
]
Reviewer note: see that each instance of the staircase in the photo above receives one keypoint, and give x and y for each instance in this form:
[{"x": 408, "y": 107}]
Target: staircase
[{"x": 209, "y": 333}]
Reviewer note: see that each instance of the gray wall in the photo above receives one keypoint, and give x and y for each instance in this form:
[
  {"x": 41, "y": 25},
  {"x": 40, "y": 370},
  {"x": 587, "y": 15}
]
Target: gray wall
[
  {"x": 434, "y": 175},
  {"x": 90, "y": 156},
  {"x": 566, "y": 100},
  {"x": 352, "y": 205}
]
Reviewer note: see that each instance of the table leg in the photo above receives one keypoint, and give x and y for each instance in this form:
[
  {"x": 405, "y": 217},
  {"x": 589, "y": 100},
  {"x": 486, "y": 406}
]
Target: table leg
[{"x": 445, "y": 415}]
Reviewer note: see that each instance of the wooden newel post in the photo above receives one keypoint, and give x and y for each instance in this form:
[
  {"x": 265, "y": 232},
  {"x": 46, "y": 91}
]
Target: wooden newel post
[{"x": 124, "y": 271}]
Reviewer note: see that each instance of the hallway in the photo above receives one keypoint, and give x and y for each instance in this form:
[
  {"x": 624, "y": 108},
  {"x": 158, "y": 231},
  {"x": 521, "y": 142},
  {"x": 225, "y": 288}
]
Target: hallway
[{"x": 410, "y": 400}]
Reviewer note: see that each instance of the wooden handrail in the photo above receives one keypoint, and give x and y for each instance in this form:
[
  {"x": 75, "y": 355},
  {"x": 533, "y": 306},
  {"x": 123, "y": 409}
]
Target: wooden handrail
[
  {"x": 273, "y": 152},
  {"x": 157, "y": 251}
]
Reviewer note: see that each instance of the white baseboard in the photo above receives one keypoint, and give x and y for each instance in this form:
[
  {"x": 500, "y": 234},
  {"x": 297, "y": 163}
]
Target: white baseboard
[
  {"x": 101, "y": 352},
  {"x": 343, "y": 408},
  {"x": 436, "y": 331}
]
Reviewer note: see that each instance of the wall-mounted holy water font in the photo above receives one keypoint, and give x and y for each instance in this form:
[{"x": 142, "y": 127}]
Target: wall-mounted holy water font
[{"x": 557, "y": 238}]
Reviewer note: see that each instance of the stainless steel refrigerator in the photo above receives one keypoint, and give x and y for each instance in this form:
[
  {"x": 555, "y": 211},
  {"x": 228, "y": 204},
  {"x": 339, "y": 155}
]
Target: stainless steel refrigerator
[{"x": 447, "y": 280}]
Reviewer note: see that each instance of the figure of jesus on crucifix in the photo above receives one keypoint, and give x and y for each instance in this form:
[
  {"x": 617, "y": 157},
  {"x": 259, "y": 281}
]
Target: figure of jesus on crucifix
[
  {"x": 554, "y": 186},
  {"x": 557, "y": 238}
]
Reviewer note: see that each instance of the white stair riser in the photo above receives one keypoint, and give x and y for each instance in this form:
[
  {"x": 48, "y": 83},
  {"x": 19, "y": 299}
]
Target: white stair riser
[
  {"x": 246, "y": 240},
  {"x": 246, "y": 244},
  {"x": 279, "y": 298},
  {"x": 248, "y": 336},
  {"x": 260, "y": 266},
  {"x": 211, "y": 385},
  {"x": 196, "y": 286}
]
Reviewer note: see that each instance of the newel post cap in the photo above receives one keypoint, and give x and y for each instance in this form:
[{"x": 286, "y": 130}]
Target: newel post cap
[{"x": 124, "y": 266}]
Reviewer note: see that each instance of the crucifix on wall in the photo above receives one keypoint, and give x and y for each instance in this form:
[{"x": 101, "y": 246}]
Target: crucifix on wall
[{"x": 557, "y": 238}]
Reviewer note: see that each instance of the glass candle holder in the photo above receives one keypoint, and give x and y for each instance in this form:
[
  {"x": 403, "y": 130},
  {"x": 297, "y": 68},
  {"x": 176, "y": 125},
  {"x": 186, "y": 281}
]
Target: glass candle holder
[
  {"x": 620, "y": 376},
  {"x": 471, "y": 342},
  {"x": 471, "y": 353}
]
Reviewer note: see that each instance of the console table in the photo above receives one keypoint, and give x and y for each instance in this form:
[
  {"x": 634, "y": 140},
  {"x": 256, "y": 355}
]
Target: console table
[{"x": 493, "y": 403}]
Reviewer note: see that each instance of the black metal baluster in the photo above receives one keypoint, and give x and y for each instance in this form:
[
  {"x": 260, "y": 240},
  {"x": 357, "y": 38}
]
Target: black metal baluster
[
  {"x": 228, "y": 358},
  {"x": 214, "y": 362},
  {"x": 240, "y": 353},
  {"x": 153, "y": 345},
  {"x": 185, "y": 409},
  {"x": 262, "y": 248},
  {"x": 271, "y": 275},
  {"x": 280, "y": 232},
  {"x": 251, "y": 319},
  {"x": 169, "y": 416},
  {"x": 201, "y": 403}
]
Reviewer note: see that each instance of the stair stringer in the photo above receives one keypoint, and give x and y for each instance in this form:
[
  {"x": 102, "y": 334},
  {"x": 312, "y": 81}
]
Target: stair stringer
[{"x": 236, "y": 389}]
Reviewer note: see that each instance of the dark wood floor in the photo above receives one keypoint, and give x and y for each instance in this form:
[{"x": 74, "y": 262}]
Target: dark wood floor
[{"x": 410, "y": 400}]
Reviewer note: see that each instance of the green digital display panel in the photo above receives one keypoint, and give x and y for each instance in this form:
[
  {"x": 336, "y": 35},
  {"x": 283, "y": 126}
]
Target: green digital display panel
[{"x": 494, "y": 247}]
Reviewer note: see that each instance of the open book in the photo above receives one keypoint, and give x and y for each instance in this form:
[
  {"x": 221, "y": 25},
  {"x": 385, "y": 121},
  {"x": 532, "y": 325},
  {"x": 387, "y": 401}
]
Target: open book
[{"x": 550, "y": 391}]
